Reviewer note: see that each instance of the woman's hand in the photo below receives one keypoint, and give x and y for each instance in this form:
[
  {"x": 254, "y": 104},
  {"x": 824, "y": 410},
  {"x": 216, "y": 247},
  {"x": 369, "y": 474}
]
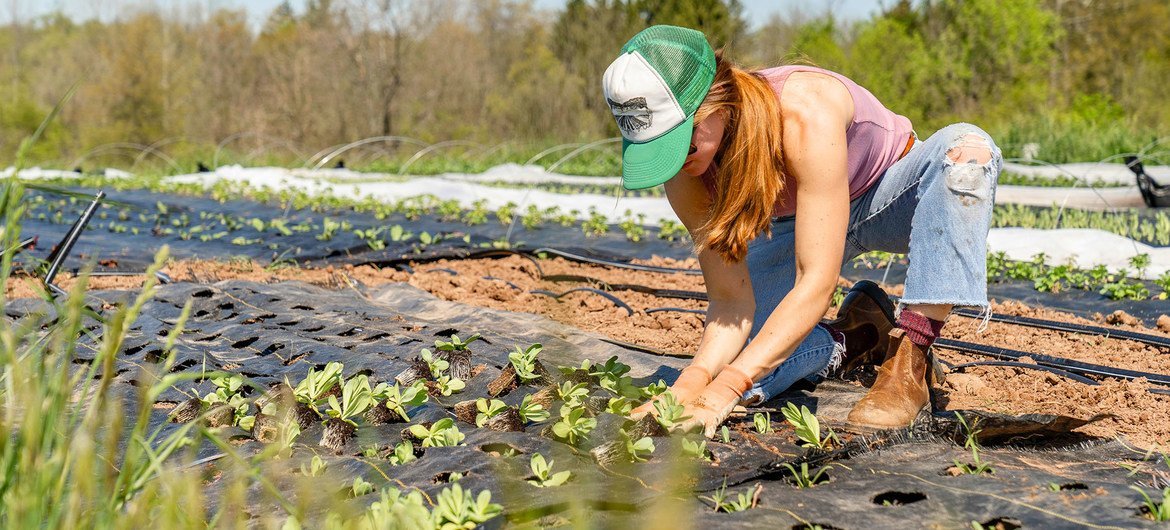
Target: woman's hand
[{"x": 715, "y": 403}]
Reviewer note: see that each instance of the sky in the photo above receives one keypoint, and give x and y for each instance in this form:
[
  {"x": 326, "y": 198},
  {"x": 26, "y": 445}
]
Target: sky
[{"x": 756, "y": 11}]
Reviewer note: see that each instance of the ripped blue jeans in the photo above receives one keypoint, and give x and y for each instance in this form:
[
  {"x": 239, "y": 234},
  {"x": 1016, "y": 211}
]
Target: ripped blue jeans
[{"x": 934, "y": 205}]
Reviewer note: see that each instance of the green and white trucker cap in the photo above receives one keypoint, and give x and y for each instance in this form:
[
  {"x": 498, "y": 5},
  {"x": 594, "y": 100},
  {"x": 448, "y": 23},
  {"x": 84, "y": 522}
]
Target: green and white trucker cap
[{"x": 654, "y": 88}]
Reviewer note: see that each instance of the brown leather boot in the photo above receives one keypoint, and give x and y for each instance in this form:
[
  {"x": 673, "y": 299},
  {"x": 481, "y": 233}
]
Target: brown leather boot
[
  {"x": 865, "y": 318},
  {"x": 901, "y": 389}
]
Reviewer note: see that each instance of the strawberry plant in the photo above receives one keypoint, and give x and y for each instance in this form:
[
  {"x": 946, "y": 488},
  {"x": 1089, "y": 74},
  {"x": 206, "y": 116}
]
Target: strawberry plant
[{"x": 542, "y": 471}]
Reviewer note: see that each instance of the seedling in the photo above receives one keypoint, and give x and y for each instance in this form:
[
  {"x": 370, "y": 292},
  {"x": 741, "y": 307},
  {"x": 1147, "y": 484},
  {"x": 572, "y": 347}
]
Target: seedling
[
  {"x": 328, "y": 229},
  {"x": 619, "y": 405},
  {"x": 572, "y": 393},
  {"x": 542, "y": 470},
  {"x": 316, "y": 467},
  {"x": 807, "y": 427},
  {"x": 696, "y": 449},
  {"x": 313, "y": 387},
  {"x": 524, "y": 362},
  {"x": 531, "y": 412},
  {"x": 725, "y": 434},
  {"x": 373, "y": 237},
  {"x": 638, "y": 450},
  {"x": 972, "y": 444},
  {"x": 654, "y": 389},
  {"x": 612, "y": 376},
  {"x": 403, "y": 453},
  {"x": 671, "y": 230},
  {"x": 763, "y": 422},
  {"x": 397, "y": 399},
  {"x": 596, "y": 225},
  {"x": 487, "y": 410},
  {"x": 1158, "y": 511},
  {"x": 226, "y": 394},
  {"x": 443, "y": 433},
  {"x": 633, "y": 228},
  {"x": 435, "y": 364},
  {"x": 802, "y": 478},
  {"x": 455, "y": 508},
  {"x": 455, "y": 344},
  {"x": 670, "y": 411},
  {"x": 450, "y": 385},
  {"x": 361, "y": 487},
  {"x": 356, "y": 398},
  {"x": 721, "y": 501},
  {"x": 573, "y": 425}
]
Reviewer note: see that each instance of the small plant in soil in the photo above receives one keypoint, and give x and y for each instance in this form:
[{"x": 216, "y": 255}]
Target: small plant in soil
[
  {"x": 696, "y": 449},
  {"x": 524, "y": 362},
  {"x": 435, "y": 364},
  {"x": 802, "y": 478},
  {"x": 455, "y": 344},
  {"x": 396, "y": 399},
  {"x": 1158, "y": 511},
  {"x": 448, "y": 385},
  {"x": 361, "y": 487},
  {"x": 356, "y": 398},
  {"x": 619, "y": 405},
  {"x": 572, "y": 393},
  {"x": 725, "y": 502},
  {"x": 395, "y": 510},
  {"x": 670, "y": 411},
  {"x": 763, "y": 422},
  {"x": 977, "y": 465},
  {"x": 612, "y": 376},
  {"x": 456, "y": 508},
  {"x": 638, "y": 450},
  {"x": 530, "y": 411},
  {"x": 442, "y": 433},
  {"x": 542, "y": 471},
  {"x": 574, "y": 426},
  {"x": 403, "y": 453},
  {"x": 488, "y": 410},
  {"x": 654, "y": 389},
  {"x": 807, "y": 427},
  {"x": 227, "y": 406},
  {"x": 725, "y": 434},
  {"x": 312, "y": 389},
  {"x": 315, "y": 468}
]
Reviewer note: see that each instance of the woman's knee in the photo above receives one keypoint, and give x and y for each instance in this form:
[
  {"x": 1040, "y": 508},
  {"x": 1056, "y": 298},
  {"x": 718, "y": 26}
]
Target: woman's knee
[{"x": 971, "y": 165}]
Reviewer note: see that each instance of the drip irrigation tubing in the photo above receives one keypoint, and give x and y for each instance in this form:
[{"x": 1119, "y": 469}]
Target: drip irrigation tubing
[
  {"x": 616, "y": 301},
  {"x": 598, "y": 261},
  {"x": 1083, "y": 329},
  {"x": 644, "y": 349},
  {"x": 1069, "y": 365},
  {"x": 1015, "y": 364}
]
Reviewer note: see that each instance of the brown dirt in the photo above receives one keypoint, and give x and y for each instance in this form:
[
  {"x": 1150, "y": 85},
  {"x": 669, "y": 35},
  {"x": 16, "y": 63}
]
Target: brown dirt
[{"x": 1140, "y": 416}]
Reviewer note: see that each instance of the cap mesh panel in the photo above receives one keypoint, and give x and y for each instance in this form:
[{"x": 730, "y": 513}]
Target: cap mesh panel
[{"x": 682, "y": 57}]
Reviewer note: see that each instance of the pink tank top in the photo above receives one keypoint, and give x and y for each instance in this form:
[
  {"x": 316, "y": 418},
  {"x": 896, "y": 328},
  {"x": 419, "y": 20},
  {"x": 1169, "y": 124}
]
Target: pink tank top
[{"x": 874, "y": 140}]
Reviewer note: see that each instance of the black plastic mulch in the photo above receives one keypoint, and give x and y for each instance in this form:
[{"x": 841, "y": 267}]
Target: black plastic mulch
[{"x": 1044, "y": 476}]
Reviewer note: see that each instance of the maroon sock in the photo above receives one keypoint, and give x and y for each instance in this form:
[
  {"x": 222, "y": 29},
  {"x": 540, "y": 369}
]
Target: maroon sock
[{"x": 919, "y": 329}]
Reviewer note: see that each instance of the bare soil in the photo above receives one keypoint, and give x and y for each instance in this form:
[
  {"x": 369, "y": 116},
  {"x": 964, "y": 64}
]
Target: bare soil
[{"x": 1142, "y": 417}]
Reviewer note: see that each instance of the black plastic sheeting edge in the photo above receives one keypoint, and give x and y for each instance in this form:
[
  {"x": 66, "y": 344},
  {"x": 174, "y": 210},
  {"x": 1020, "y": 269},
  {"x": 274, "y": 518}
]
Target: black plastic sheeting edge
[
  {"x": 1069, "y": 365},
  {"x": 1014, "y": 364},
  {"x": 644, "y": 349},
  {"x": 1083, "y": 329}
]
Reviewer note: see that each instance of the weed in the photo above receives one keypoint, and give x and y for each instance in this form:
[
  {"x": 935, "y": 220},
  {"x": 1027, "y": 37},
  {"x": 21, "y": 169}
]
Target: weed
[
  {"x": 721, "y": 501},
  {"x": 542, "y": 470},
  {"x": 802, "y": 478},
  {"x": 1158, "y": 511},
  {"x": 978, "y": 466}
]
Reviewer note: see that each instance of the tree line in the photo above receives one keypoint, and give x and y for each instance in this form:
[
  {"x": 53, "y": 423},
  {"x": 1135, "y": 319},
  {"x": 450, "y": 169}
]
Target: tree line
[{"x": 1082, "y": 79}]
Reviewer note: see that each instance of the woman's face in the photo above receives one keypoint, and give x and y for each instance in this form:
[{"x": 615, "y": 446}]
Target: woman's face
[{"x": 704, "y": 143}]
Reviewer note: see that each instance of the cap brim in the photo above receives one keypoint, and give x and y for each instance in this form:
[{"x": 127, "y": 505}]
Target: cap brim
[{"x": 648, "y": 164}]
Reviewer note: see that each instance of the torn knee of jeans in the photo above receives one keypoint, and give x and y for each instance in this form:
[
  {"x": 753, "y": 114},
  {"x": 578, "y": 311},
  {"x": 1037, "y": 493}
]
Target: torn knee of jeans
[{"x": 969, "y": 169}]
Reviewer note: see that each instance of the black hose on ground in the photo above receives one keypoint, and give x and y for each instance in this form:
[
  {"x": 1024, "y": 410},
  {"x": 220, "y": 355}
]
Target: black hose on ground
[
  {"x": 1014, "y": 364},
  {"x": 1083, "y": 329},
  {"x": 1076, "y": 367},
  {"x": 616, "y": 301}
]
